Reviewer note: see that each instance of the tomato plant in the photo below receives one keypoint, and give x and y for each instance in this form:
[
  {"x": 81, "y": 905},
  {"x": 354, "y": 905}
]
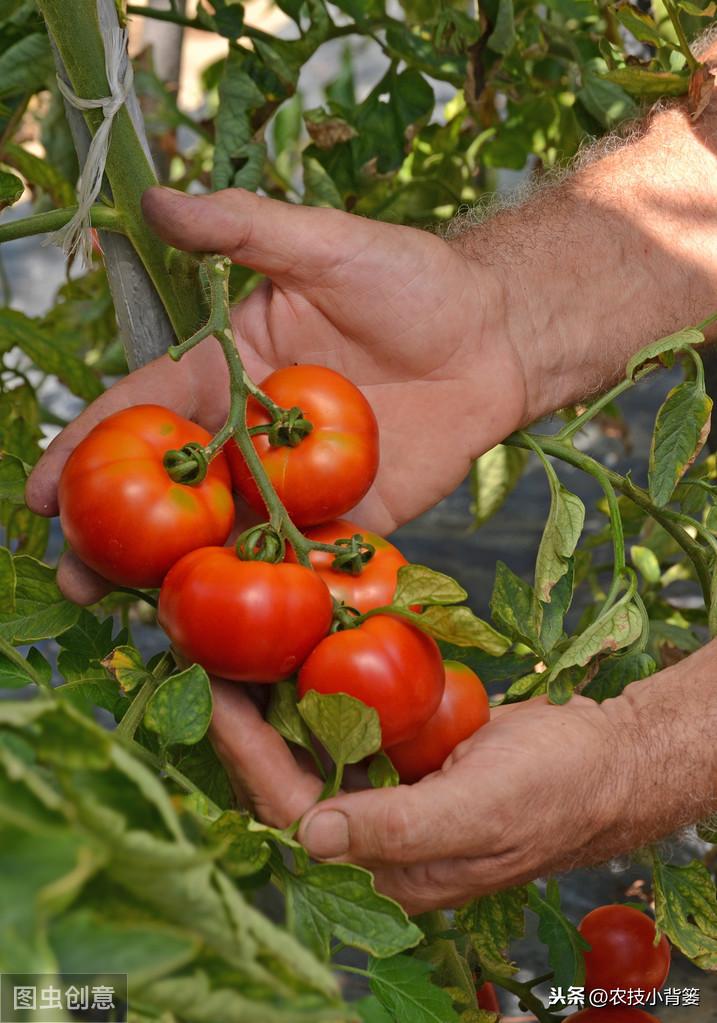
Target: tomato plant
[
  {"x": 142, "y": 812},
  {"x": 388, "y": 665},
  {"x": 623, "y": 952},
  {"x": 462, "y": 711},
  {"x": 371, "y": 587},
  {"x": 122, "y": 513},
  {"x": 243, "y": 620},
  {"x": 324, "y": 473}
]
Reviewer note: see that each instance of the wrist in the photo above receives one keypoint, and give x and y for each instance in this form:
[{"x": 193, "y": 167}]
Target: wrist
[{"x": 667, "y": 722}]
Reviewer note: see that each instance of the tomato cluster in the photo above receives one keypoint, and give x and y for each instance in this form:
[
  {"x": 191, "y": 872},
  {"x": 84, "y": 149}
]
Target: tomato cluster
[{"x": 131, "y": 513}]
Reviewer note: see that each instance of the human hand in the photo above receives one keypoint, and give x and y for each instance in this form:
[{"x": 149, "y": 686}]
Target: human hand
[
  {"x": 398, "y": 311},
  {"x": 540, "y": 788}
]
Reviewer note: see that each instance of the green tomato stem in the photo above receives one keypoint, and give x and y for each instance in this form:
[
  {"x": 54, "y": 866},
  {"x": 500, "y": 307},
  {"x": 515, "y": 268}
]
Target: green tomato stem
[
  {"x": 674, "y": 17},
  {"x": 9, "y": 651},
  {"x": 75, "y": 30},
  {"x": 241, "y": 387},
  {"x": 668, "y": 519},
  {"x": 104, "y": 217}
]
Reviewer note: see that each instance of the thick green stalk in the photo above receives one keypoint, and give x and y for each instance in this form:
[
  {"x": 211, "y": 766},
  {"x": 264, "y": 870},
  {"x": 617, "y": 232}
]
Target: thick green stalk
[
  {"x": 74, "y": 28},
  {"x": 105, "y": 217}
]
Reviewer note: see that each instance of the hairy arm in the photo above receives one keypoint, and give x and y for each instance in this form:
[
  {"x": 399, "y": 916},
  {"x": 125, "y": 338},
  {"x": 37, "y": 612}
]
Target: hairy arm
[{"x": 621, "y": 251}]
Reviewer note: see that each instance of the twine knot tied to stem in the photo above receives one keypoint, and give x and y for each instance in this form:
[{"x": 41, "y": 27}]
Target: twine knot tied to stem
[{"x": 74, "y": 236}]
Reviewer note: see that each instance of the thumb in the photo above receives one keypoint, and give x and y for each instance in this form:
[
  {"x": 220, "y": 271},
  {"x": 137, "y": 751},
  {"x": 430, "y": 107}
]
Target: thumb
[
  {"x": 403, "y": 825},
  {"x": 276, "y": 238}
]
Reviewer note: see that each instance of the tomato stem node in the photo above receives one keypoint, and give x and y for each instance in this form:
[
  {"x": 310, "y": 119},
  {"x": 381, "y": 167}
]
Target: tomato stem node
[
  {"x": 261, "y": 543},
  {"x": 187, "y": 465}
]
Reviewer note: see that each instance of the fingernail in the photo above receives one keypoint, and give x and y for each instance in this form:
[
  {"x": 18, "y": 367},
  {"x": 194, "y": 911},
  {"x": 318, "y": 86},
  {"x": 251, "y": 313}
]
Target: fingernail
[{"x": 327, "y": 834}]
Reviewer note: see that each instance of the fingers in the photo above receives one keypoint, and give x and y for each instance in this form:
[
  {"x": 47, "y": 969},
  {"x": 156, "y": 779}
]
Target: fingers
[
  {"x": 409, "y": 824},
  {"x": 446, "y": 884},
  {"x": 260, "y": 765},
  {"x": 275, "y": 238},
  {"x": 162, "y": 380},
  {"x": 78, "y": 582}
]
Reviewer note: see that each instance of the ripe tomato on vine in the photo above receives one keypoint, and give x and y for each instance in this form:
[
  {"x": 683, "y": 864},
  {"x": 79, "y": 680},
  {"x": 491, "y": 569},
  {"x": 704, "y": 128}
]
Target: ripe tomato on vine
[
  {"x": 120, "y": 510},
  {"x": 323, "y": 473}
]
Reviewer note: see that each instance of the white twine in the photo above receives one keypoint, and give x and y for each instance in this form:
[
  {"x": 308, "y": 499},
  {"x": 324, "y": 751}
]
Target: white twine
[{"x": 75, "y": 236}]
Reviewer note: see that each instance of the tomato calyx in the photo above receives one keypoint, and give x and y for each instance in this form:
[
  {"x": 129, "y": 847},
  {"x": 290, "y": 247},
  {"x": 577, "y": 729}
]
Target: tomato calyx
[
  {"x": 345, "y": 617},
  {"x": 188, "y": 464},
  {"x": 287, "y": 429},
  {"x": 354, "y": 554},
  {"x": 261, "y": 543}
]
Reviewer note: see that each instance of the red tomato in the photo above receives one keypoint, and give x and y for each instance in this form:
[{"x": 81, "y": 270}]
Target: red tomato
[
  {"x": 387, "y": 663},
  {"x": 330, "y": 469},
  {"x": 463, "y": 710},
  {"x": 249, "y": 621},
  {"x": 375, "y": 585},
  {"x": 120, "y": 510},
  {"x": 617, "y": 1014},
  {"x": 623, "y": 953},
  {"x": 487, "y": 998}
]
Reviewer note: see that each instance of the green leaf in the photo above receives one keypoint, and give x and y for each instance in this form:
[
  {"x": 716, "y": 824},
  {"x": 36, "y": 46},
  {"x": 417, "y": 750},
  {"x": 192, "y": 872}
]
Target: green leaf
[
  {"x": 417, "y": 584},
  {"x": 87, "y": 942},
  {"x": 238, "y": 159},
  {"x": 371, "y": 1011},
  {"x": 90, "y": 637},
  {"x": 11, "y": 189},
  {"x": 40, "y": 612},
  {"x": 560, "y": 537},
  {"x": 381, "y": 772},
  {"x": 618, "y": 628},
  {"x": 493, "y": 477},
  {"x": 403, "y": 986},
  {"x": 8, "y": 582},
  {"x": 502, "y": 38},
  {"x": 13, "y": 476},
  {"x": 126, "y": 666},
  {"x": 228, "y": 17},
  {"x": 618, "y": 672},
  {"x": 339, "y": 900},
  {"x": 492, "y": 923},
  {"x": 686, "y": 910},
  {"x": 564, "y": 942},
  {"x": 698, "y": 12},
  {"x": 552, "y": 615},
  {"x": 512, "y": 606},
  {"x": 17, "y": 671},
  {"x": 284, "y": 716},
  {"x": 345, "y": 727},
  {"x": 245, "y": 851},
  {"x": 664, "y": 346},
  {"x": 26, "y": 65},
  {"x": 645, "y": 561},
  {"x": 41, "y": 173},
  {"x": 202, "y": 766},
  {"x": 648, "y": 85},
  {"x": 527, "y": 685},
  {"x": 180, "y": 709},
  {"x": 460, "y": 626},
  {"x": 319, "y": 187},
  {"x": 642, "y": 25},
  {"x": 45, "y": 352},
  {"x": 681, "y": 429},
  {"x": 605, "y": 100}
]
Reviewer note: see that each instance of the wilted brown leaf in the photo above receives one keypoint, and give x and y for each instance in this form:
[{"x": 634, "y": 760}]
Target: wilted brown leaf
[{"x": 702, "y": 84}]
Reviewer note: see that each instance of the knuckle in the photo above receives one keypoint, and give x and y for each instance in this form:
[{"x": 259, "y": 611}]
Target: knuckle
[{"x": 391, "y": 836}]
